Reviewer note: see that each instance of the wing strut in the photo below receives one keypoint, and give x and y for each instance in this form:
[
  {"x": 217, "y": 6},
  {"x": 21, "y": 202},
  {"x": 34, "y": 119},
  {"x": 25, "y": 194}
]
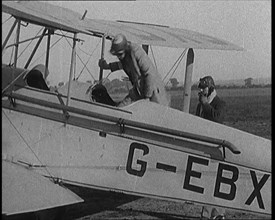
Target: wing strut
[
  {"x": 8, "y": 36},
  {"x": 102, "y": 57},
  {"x": 47, "y": 53},
  {"x": 35, "y": 49},
  {"x": 188, "y": 80},
  {"x": 73, "y": 60},
  {"x": 17, "y": 41}
]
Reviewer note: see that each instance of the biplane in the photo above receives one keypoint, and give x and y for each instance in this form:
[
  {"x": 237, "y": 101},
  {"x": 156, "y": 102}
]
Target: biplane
[{"x": 143, "y": 149}]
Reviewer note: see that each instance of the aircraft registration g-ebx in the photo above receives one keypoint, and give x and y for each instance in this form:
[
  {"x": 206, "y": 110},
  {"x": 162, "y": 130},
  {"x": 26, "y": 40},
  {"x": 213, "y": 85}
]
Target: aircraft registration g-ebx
[{"x": 144, "y": 149}]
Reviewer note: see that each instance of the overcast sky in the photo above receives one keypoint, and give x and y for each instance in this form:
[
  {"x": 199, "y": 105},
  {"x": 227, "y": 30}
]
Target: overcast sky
[{"x": 244, "y": 23}]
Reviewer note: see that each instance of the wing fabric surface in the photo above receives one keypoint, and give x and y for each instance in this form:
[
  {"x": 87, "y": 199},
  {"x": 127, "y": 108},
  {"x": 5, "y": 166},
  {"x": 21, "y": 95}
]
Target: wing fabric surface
[
  {"x": 44, "y": 14},
  {"x": 57, "y": 17},
  {"x": 158, "y": 35},
  {"x": 26, "y": 191}
]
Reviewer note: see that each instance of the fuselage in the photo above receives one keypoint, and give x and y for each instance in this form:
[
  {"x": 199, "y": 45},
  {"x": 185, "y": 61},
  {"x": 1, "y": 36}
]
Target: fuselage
[{"x": 109, "y": 148}]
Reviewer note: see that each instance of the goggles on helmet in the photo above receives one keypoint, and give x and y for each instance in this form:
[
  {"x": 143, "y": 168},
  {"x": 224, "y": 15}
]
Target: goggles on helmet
[{"x": 206, "y": 82}]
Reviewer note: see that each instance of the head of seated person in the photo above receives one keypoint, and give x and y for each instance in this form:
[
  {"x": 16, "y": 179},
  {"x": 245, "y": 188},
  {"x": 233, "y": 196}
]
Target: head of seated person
[{"x": 100, "y": 94}]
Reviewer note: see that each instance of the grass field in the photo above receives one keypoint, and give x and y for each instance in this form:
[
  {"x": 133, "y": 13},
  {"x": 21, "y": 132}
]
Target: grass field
[{"x": 246, "y": 109}]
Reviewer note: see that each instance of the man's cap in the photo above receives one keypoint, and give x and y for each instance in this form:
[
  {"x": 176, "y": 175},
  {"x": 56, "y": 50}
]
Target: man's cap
[{"x": 119, "y": 44}]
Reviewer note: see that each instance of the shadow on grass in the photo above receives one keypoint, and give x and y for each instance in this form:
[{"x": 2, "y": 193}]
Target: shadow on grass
[
  {"x": 100, "y": 204},
  {"x": 95, "y": 201},
  {"x": 163, "y": 215}
]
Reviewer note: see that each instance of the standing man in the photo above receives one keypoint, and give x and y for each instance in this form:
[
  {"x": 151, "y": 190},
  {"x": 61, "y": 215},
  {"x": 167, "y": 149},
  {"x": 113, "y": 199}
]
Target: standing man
[
  {"x": 210, "y": 107},
  {"x": 147, "y": 83}
]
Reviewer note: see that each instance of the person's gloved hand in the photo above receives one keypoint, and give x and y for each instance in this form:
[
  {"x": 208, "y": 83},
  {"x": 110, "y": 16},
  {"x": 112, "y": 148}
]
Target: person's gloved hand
[
  {"x": 203, "y": 99},
  {"x": 149, "y": 86},
  {"x": 103, "y": 64}
]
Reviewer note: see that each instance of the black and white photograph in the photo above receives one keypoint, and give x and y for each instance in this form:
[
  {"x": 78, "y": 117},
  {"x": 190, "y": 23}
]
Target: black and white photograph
[{"x": 136, "y": 110}]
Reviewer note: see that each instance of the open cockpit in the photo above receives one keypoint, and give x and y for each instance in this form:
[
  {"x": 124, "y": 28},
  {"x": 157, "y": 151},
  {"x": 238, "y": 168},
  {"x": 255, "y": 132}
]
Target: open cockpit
[{"x": 17, "y": 78}]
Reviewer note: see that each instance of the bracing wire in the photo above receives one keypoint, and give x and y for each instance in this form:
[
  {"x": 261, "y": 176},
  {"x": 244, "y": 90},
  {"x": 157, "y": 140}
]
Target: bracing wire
[
  {"x": 90, "y": 56},
  {"x": 104, "y": 78},
  {"x": 50, "y": 47},
  {"x": 79, "y": 58},
  {"x": 175, "y": 68},
  {"x": 7, "y": 20},
  {"x": 182, "y": 54},
  {"x": 29, "y": 43},
  {"x": 178, "y": 60},
  {"x": 12, "y": 50},
  {"x": 27, "y": 144},
  {"x": 84, "y": 50},
  {"x": 98, "y": 82}
]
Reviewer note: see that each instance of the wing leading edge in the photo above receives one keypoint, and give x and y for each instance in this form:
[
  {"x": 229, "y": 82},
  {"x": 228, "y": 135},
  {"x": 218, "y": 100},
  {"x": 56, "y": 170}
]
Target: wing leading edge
[{"x": 57, "y": 17}]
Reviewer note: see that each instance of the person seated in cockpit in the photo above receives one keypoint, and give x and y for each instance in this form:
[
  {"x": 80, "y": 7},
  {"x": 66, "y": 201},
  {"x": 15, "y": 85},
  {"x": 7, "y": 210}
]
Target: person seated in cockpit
[{"x": 147, "y": 83}]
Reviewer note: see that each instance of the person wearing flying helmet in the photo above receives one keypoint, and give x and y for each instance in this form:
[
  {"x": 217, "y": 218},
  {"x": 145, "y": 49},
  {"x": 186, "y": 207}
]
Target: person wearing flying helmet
[
  {"x": 147, "y": 83},
  {"x": 210, "y": 107}
]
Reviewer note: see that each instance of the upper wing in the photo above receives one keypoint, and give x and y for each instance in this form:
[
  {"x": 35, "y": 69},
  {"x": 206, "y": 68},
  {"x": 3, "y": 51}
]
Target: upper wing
[
  {"x": 44, "y": 14},
  {"x": 26, "y": 191},
  {"x": 57, "y": 17},
  {"x": 158, "y": 35}
]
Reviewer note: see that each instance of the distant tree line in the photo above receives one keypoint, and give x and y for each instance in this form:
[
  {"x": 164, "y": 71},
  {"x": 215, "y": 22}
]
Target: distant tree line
[
  {"x": 195, "y": 87},
  {"x": 173, "y": 85},
  {"x": 124, "y": 85}
]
